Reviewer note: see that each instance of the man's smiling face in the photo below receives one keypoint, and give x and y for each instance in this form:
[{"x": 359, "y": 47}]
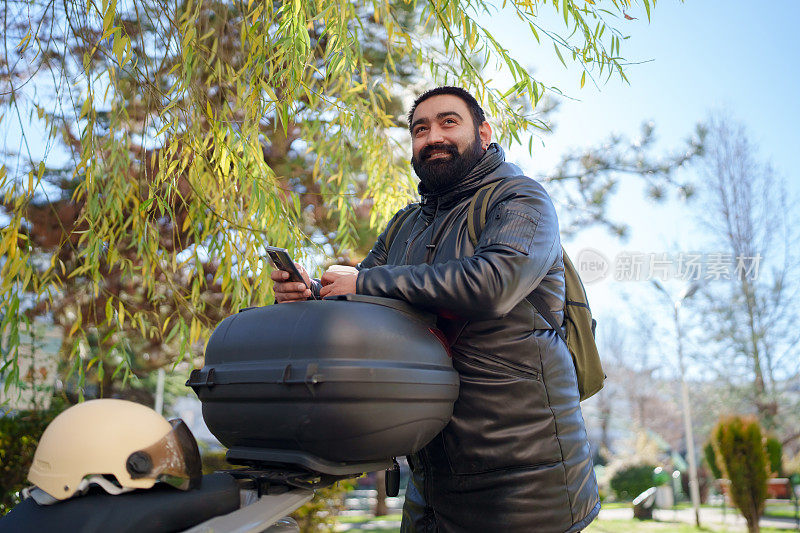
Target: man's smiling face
[{"x": 445, "y": 141}]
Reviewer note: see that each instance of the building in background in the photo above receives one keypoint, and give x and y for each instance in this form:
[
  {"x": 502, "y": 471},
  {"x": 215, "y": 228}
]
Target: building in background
[{"x": 38, "y": 365}]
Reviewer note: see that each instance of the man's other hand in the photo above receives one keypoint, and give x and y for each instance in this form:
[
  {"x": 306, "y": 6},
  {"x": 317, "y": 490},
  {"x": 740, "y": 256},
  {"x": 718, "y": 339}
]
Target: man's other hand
[
  {"x": 290, "y": 291},
  {"x": 339, "y": 280}
]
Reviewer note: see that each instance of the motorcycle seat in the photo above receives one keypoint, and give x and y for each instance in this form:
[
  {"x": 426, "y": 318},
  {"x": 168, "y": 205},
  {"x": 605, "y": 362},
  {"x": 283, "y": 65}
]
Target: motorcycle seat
[{"x": 157, "y": 510}]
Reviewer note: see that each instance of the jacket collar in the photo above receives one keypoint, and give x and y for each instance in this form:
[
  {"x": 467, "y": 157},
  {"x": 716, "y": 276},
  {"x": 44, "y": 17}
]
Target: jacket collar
[{"x": 476, "y": 178}]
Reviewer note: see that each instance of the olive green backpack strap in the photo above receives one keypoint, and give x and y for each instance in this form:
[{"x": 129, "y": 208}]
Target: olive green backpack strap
[
  {"x": 394, "y": 227},
  {"x": 580, "y": 329},
  {"x": 579, "y": 326},
  {"x": 478, "y": 210}
]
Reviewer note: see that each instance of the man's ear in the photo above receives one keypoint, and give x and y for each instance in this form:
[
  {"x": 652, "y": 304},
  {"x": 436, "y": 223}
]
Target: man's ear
[{"x": 485, "y": 133}]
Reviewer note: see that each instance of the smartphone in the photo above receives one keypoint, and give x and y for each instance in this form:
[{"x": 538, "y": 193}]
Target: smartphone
[{"x": 282, "y": 261}]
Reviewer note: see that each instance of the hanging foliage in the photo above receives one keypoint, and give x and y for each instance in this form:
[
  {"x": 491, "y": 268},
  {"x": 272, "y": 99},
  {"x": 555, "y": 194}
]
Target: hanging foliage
[{"x": 163, "y": 144}]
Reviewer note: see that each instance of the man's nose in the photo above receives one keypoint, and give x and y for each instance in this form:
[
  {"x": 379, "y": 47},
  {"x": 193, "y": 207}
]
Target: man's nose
[{"x": 435, "y": 135}]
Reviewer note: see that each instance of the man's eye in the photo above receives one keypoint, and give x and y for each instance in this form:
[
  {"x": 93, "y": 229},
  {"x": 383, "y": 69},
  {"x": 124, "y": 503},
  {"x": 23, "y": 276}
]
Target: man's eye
[
  {"x": 449, "y": 121},
  {"x": 419, "y": 130}
]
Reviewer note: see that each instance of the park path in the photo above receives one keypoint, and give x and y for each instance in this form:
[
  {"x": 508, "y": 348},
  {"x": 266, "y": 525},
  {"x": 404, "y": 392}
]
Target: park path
[
  {"x": 709, "y": 517},
  {"x": 360, "y": 503}
]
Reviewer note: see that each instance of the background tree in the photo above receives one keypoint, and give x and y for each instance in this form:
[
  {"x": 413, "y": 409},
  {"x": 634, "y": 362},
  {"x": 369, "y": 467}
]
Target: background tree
[
  {"x": 585, "y": 179},
  {"x": 178, "y": 138},
  {"x": 145, "y": 351},
  {"x": 638, "y": 395},
  {"x": 751, "y": 317}
]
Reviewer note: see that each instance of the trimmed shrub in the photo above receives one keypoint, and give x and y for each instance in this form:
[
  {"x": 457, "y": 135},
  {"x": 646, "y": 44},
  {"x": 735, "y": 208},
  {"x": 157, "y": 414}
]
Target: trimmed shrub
[
  {"x": 19, "y": 435},
  {"x": 775, "y": 455},
  {"x": 742, "y": 457},
  {"x": 320, "y": 513},
  {"x": 632, "y": 481},
  {"x": 214, "y": 460},
  {"x": 711, "y": 460}
]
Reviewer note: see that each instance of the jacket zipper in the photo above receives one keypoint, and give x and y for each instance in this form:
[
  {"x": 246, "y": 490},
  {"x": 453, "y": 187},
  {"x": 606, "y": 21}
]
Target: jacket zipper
[
  {"x": 511, "y": 368},
  {"x": 423, "y": 454},
  {"x": 414, "y": 239},
  {"x": 430, "y": 248}
]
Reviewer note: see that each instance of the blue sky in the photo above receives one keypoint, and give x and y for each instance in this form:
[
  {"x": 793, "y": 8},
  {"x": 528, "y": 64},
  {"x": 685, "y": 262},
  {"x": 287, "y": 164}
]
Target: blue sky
[
  {"x": 737, "y": 58},
  {"x": 702, "y": 56}
]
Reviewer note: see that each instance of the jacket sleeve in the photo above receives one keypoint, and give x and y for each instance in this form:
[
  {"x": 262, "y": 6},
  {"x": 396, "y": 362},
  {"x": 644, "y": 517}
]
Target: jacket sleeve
[{"x": 516, "y": 249}]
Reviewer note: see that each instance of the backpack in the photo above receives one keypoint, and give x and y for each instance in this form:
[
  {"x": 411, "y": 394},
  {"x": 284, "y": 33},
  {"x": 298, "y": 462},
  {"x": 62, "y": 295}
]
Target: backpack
[{"x": 578, "y": 322}]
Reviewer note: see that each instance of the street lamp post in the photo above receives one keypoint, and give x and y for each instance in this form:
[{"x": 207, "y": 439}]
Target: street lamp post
[{"x": 694, "y": 487}]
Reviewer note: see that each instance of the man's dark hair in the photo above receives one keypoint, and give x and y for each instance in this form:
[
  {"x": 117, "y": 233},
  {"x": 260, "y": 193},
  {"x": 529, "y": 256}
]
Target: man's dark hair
[{"x": 478, "y": 116}]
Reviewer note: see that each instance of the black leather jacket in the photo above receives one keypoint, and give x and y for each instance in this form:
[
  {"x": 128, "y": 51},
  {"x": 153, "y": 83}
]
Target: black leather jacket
[{"x": 514, "y": 456}]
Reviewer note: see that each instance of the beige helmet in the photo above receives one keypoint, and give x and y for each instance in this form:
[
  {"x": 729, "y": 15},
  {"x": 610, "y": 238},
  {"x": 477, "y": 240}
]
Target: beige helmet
[{"x": 124, "y": 439}]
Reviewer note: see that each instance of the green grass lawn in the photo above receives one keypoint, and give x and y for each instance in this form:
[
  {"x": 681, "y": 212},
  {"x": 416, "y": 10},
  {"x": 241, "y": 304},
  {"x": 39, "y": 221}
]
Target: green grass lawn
[
  {"x": 780, "y": 511},
  {"x": 771, "y": 511},
  {"x": 369, "y": 526},
  {"x": 365, "y": 519},
  {"x": 617, "y": 505},
  {"x": 364, "y": 523},
  {"x": 636, "y": 526},
  {"x": 629, "y": 505}
]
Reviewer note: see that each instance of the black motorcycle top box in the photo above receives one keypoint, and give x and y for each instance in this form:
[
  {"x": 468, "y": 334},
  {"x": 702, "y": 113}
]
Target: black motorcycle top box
[{"x": 336, "y": 386}]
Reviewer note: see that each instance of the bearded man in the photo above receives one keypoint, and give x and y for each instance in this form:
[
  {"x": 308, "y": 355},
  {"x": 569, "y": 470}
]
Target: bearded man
[{"x": 514, "y": 456}]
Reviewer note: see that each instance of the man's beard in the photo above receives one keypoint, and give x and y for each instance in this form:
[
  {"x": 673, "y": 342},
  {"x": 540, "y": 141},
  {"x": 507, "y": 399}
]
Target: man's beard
[{"x": 440, "y": 174}]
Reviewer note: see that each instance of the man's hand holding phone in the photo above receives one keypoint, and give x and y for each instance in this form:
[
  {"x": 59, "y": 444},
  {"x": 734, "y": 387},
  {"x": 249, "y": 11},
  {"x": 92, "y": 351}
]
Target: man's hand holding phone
[
  {"x": 290, "y": 291},
  {"x": 293, "y": 284}
]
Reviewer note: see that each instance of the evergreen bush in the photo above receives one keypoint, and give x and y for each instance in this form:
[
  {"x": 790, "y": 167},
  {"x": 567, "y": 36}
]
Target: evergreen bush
[
  {"x": 20, "y": 432},
  {"x": 775, "y": 455},
  {"x": 711, "y": 460},
  {"x": 631, "y": 481},
  {"x": 742, "y": 457}
]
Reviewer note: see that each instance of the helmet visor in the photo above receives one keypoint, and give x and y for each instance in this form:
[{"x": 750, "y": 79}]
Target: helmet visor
[{"x": 174, "y": 459}]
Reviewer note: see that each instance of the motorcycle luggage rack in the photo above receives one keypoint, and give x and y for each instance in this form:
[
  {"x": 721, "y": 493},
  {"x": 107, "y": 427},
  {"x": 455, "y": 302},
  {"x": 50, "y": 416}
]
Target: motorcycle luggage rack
[
  {"x": 280, "y": 460},
  {"x": 278, "y": 481}
]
